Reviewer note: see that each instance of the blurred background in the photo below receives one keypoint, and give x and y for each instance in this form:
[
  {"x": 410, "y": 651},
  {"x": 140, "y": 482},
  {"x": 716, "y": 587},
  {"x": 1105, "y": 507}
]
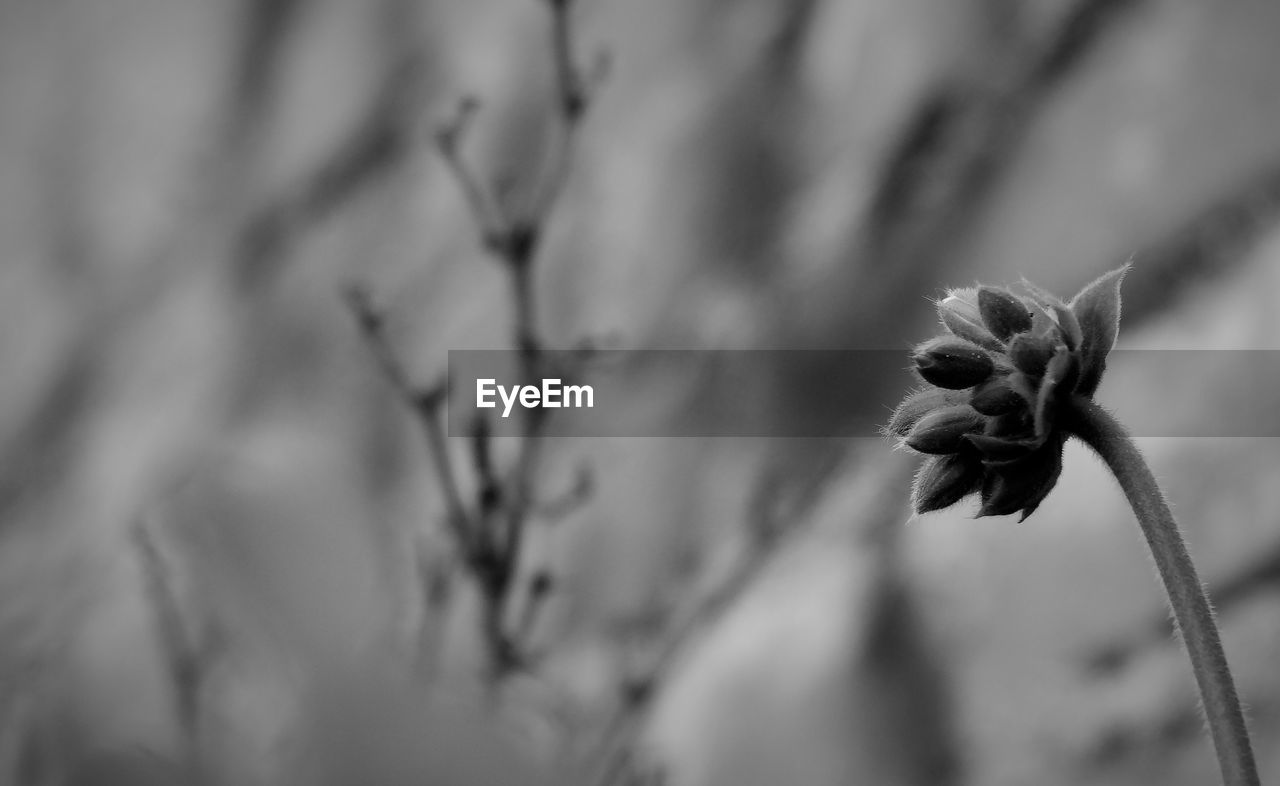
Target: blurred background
[{"x": 223, "y": 552}]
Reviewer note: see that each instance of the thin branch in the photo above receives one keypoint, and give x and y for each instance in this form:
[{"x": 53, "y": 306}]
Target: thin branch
[
  {"x": 472, "y": 534},
  {"x": 541, "y": 586},
  {"x": 515, "y": 242},
  {"x": 572, "y": 102},
  {"x": 520, "y": 254},
  {"x": 491, "y": 531},
  {"x": 489, "y": 486},
  {"x": 492, "y": 223},
  {"x": 426, "y": 403}
]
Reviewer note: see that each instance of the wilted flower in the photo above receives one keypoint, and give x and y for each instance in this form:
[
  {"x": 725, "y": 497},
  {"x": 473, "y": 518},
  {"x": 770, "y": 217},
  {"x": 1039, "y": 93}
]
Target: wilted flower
[{"x": 996, "y": 386}]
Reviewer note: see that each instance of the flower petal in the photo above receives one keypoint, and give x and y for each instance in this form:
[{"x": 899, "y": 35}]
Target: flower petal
[{"x": 1097, "y": 307}]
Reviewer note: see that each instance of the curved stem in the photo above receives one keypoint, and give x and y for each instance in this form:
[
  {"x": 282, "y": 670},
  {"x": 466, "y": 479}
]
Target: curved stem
[{"x": 1192, "y": 612}]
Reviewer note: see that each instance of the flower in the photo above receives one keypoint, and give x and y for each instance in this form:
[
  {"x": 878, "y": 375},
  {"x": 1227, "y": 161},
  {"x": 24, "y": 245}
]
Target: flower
[{"x": 996, "y": 387}]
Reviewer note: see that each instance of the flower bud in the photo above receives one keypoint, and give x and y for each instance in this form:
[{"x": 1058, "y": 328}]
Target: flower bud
[
  {"x": 996, "y": 397},
  {"x": 919, "y": 404},
  {"x": 1023, "y": 485},
  {"x": 1031, "y": 354},
  {"x": 1060, "y": 377},
  {"x": 960, "y": 315},
  {"x": 1069, "y": 325},
  {"x": 1000, "y": 386},
  {"x": 942, "y": 431},
  {"x": 998, "y": 450},
  {"x": 1012, "y": 425},
  {"x": 1003, "y": 313},
  {"x": 945, "y": 480},
  {"x": 953, "y": 363}
]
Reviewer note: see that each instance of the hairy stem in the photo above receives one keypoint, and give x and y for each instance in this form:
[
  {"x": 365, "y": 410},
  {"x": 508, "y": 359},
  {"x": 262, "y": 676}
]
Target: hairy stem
[{"x": 1192, "y": 612}]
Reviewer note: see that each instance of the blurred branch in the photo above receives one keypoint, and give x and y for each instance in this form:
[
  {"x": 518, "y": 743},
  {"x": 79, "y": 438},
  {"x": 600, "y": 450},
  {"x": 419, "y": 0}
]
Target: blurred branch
[
  {"x": 574, "y": 89},
  {"x": 42, "y": 453},
  {"x": 1208, "y": 245},
  {"x": 1259, "y": 575},
  {"x": 492, "y": 223},
  {"x": 183, "y": 652},
  {"x": 490, "y": 530},
  {"x": 518, "y": 250},
  {"x": 265, "y": 31},
  {"x": 1160, "y": 734},
  {"x": 569, "y": 501},
  {"x": 426, "y": 403},
  {"x": 775, "y": 518},
  {"x": 378, "y": 142},
  {"x": 961, "y": 136},
  {"x": 895, "y": 660},
  {"x": 434, "y": 573},
  {"x": 1084, "y": 24},
  {"x": 955, "y": 146}
]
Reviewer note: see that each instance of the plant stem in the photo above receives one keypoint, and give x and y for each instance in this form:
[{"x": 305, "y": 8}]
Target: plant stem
[{"x": 1194, "y": 616}]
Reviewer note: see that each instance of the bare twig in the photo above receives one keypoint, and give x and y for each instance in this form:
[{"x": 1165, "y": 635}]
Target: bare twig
[
  {"x": 470, "y": 530},
  {"x": 492, "y": 223},
  {"x": 426, "y": 403},
  {"x": 489, "y": 485},
  {"x": 505, "y": 503},
  {"x": 572, "y": 101},
  {"x": 541, "y": 586}
]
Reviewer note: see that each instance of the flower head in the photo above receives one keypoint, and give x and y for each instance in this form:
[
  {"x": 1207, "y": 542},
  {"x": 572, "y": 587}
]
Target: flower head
[{"x": 995, "y": 387}]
